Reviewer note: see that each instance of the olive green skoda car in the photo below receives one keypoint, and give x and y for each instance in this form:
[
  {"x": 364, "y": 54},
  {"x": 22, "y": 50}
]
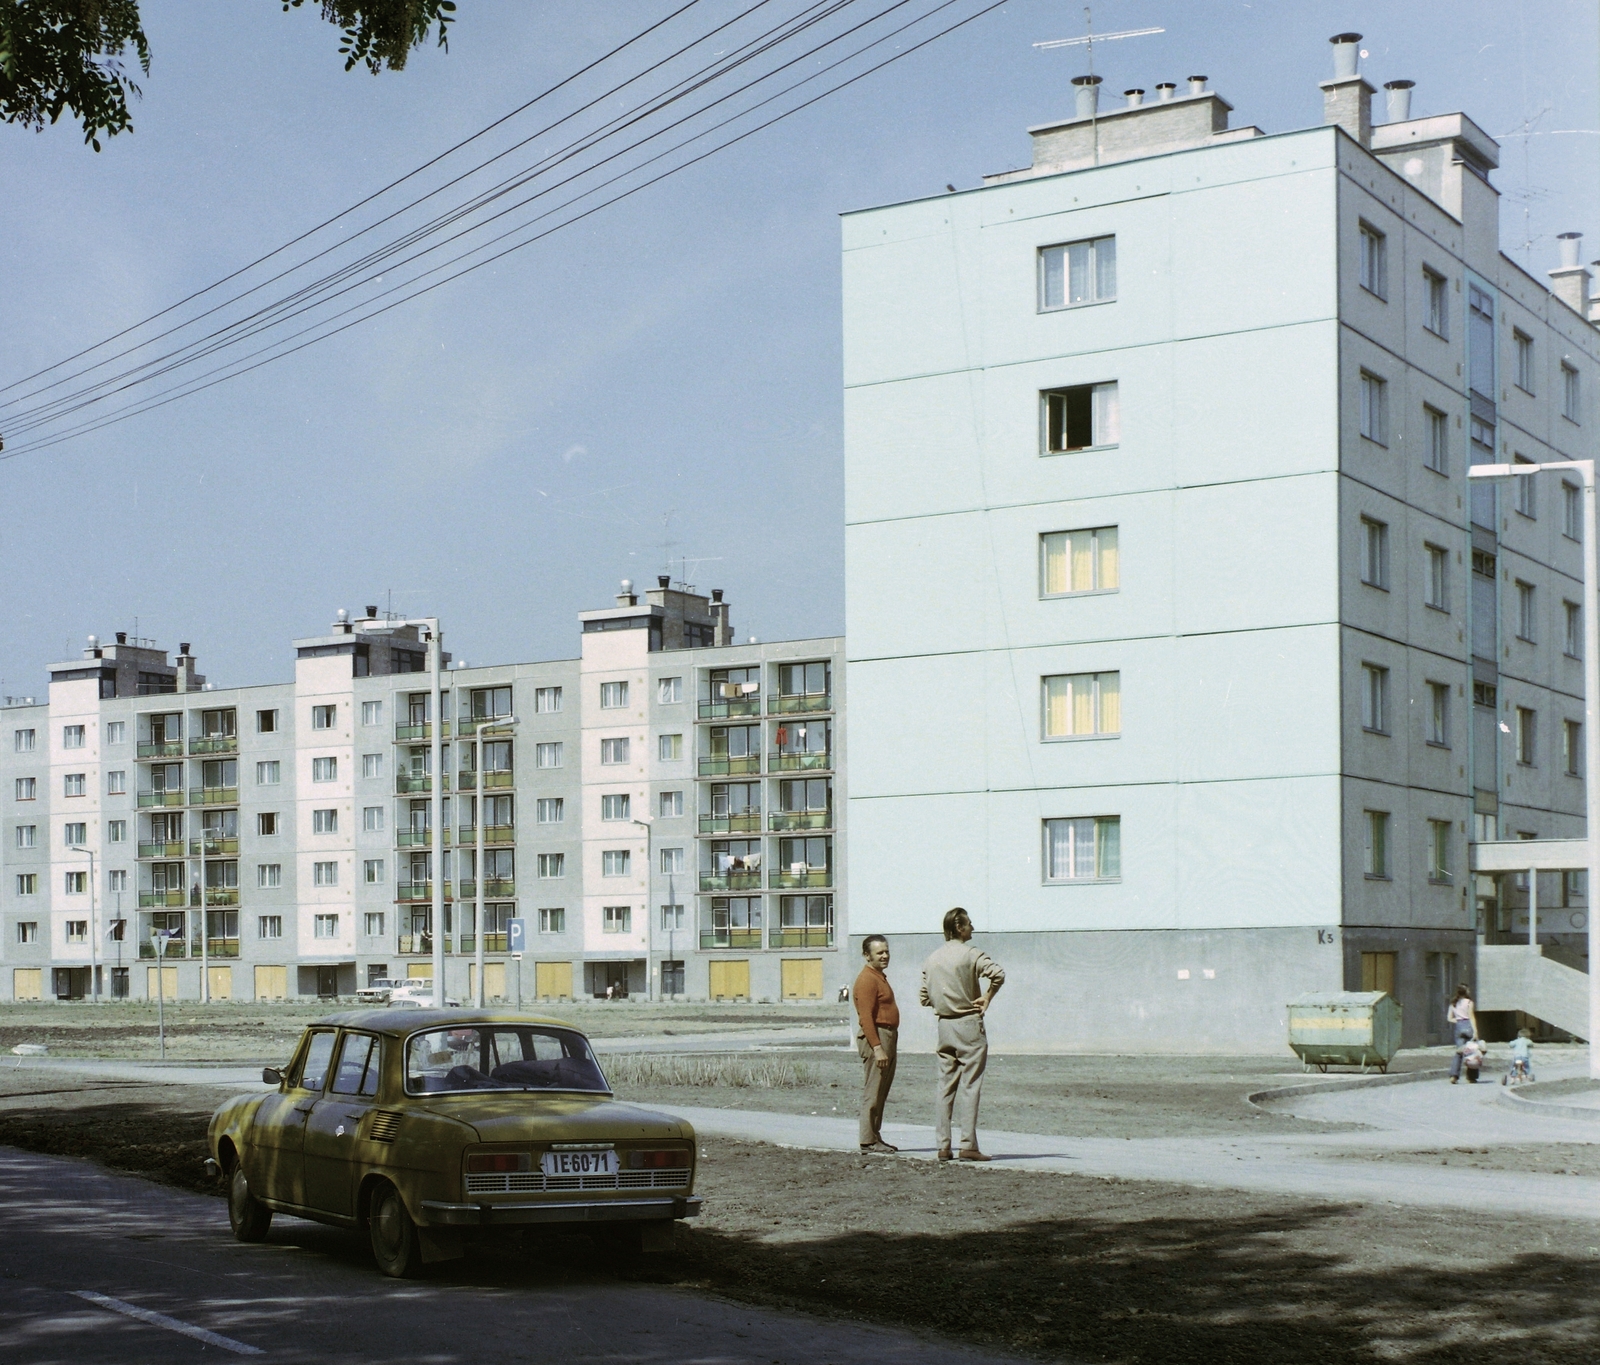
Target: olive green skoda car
[{"x": 422, "y": 1126}]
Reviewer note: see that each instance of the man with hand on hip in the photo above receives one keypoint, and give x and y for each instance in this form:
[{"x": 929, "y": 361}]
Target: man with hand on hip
[
  {"x": 877, "y": 1034},
  {"x": 950, "y": 987}
]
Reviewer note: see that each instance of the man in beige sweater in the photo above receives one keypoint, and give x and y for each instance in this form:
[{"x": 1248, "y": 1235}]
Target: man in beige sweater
[{"x": 950, "y": 987}]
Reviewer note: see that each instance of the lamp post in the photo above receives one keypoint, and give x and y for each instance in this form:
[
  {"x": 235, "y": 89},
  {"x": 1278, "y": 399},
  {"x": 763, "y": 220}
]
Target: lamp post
[
  {"x": 94, "y": 933},
  {"x": 649, "y": 919},
  {"x": 1591, "y": 718},
  {"x": 499, "y": 724}
]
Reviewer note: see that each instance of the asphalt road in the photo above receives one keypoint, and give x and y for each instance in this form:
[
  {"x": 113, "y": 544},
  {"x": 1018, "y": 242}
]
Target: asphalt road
[{"x": 102, "y": 1268}]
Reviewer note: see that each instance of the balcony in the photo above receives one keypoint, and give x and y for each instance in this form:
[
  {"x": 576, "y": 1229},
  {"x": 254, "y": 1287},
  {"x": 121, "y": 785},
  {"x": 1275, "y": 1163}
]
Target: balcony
[
  {"x": 799, "y": 706},
  {"x": 213, "y": 796},
  {"x": 173, "y": 947},
  {"x": 406, "y": 784},
  {"x": 784, "y": 820},
  {"x": 794, "y": 763},
  {"x": 724, "y": 766},
  {"x": 161, "y": 798},
  {"x": 730, "y": 881},
  {"x": 222, "y": 947},
  {"x": 418, "y": 838},
  {"x": 409, "y": 732},
  {"x": 161, "y": 748},
  {"x": 801, "y": 938},
  {"x": 172, "y": 849},
  {"x": 472, "y": 724},
  {"x": 722, "y": 709},
  {"x": 213, "y": 846},
  {"x": 492, "y": 943},
  {"x": 163, "y": 900},
  {"x": 492, "y": 886},
  {"x": 748, "y": 823},
  {"x": 492, "y": 834},
  {"x": 421, "y": 891},
  {"x": 215, "y": 744},
  {"x": 222, "y": 896},
  {"x": 731, "y": 938},
  {"x": 421, "y": 945},
  {"x": 796, "y": 881}
]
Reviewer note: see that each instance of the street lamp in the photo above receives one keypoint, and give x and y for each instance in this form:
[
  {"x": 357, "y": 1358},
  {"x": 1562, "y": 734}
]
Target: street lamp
[
  {"x": 649, "y": 919},
  {"x": 94, "y": 961},
  {"x": 498, "y": 724},
  {"x": 1591, "y": 719}
]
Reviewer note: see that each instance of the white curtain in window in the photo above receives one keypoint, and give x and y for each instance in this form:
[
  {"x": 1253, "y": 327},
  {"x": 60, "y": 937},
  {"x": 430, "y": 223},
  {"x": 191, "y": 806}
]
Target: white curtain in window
[{"x": 1107, "y": 415}]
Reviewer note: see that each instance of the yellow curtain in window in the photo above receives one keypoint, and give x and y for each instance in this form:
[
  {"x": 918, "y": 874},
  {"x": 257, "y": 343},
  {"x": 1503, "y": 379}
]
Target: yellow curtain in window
[
  {"x": 1057, "y": 721},
  {"x": 1083, "y": 704},
  {"x": 1107, "y": 538},
  {"x": 1055, "y": 564},
  {"x": 1082, "y": 562},
  {"x": 1110, "y": 704}
]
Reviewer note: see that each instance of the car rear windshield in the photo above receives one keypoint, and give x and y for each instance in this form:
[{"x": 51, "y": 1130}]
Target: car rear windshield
[{"x": 500, "y": 1057}]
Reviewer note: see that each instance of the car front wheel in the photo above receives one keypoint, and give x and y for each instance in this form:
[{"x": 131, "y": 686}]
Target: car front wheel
[
  {"x": 394, "y": 1235},
  {"x": 247, "y": 1216}
]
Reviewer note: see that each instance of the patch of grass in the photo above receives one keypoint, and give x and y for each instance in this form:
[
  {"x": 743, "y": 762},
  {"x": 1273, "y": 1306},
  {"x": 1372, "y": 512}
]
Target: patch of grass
[{"x": 742, "y": 1073}]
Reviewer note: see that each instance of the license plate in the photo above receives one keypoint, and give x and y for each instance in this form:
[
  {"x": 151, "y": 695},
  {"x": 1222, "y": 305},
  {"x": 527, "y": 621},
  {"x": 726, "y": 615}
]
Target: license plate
[{"x": 580, "y": 1163}]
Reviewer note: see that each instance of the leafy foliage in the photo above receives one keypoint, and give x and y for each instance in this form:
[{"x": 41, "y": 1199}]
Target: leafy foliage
[
  {"x": 68, "y": 54},
  {"x": 380, "y": 33}
]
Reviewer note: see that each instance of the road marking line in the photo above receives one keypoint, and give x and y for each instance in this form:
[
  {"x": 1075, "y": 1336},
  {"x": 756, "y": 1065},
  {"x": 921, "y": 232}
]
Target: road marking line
[{"x": 171, "y": 1324}]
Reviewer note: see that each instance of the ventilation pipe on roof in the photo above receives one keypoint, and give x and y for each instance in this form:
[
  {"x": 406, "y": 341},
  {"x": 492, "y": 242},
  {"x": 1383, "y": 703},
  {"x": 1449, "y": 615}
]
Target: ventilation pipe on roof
[
  {"x": 1088, "y": 95},
  {"x": 1134, "y": 97},
  {"x": 1399, "y": 99},
  {"x": 1197, "y": 84},
  {"x": 1165, "y": 91},
  {"x": 1346, "y": 55}
]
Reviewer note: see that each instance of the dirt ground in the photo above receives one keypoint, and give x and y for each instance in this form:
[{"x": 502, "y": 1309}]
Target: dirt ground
[{"x": 1060, "y": 1267}]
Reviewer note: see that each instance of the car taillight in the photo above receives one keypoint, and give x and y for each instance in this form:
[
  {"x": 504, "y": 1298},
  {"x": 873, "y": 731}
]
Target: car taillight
[
  {"x": 496, "y": 1163},
  {"x": 677, "y": 1157}
]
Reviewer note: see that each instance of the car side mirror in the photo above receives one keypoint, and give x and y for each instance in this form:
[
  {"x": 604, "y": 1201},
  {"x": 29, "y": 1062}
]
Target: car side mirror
[{"x": 270, "y": 1075}]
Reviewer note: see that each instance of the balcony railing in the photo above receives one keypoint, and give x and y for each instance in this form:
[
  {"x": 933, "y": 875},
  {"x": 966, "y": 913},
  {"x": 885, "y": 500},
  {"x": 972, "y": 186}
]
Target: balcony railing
[
  {"x": 161, "y": 748},
  {"x": 730, "y": 881},
  {"x": 730, "y": 767},
  {"x": 747, "y": 823},
  {"x": 802, "y": 819},
  {"x": 793, "y": 881},
  {"x": 421, "y": 891},
  {"x": 492, "y": 943},
  {"x": 163, "y": 900},
  {"x": 492, "y": 834},
  {"x": 721, "y": 709},
  {"x": 213, "y": 796},
  {"x": 492, "y": 886},
  {"x": 222, "y": 947},
  {"x": 406, "y": 731},
  {"x": 406, "y": 783},
  {"x": 173, "y": 947},
  {"x": 215, "y": 744},
  {"x": 800, "y": 938},
  {"x": 793, "y": 706},
  {"x": 214, "y": 846},
  {"x": 172, "y": 849},
  {"x": 792, "y": 763},
  {"x": 161, "y": 798},
  {"x": 731, "y": 938},
  {"x": 472, "y": 724},
  {"x": 417, "y": 838},
  {"x": 422, "y": 944},
  {"x": 222, "y": 895}
]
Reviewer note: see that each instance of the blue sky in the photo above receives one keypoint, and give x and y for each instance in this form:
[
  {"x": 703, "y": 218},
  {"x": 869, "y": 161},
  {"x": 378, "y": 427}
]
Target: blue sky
[{"x": 503, "y": 451}]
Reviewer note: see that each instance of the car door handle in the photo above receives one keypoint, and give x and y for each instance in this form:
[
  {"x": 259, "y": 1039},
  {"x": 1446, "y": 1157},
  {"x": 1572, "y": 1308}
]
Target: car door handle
[{"x": 304, "y": 1108}]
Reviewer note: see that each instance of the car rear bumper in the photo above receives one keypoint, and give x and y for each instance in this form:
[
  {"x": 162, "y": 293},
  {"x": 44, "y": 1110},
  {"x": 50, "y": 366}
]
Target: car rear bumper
[{"x": 438, "y": 1214}]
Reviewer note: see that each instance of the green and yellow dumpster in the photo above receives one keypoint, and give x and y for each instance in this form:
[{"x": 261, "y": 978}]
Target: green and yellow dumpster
[{"x": 1345, "y": 1028}]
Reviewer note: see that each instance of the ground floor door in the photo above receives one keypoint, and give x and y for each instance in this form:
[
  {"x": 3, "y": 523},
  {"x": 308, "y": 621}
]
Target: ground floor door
[
  {"x": 1441, "y": 977},
  {"x": 552, "y": 980},
  {"x": 70, "y": 983},
  {"x": 272, "y": 983},
  {"x": 161, "y": 983},
  {"x": 27, "y": 983},
  {"x": 327, "y": 983},
  {"x": 494, "y": 980},
  {"x": 730, "y": 980},
  {"x": 219, "y": 982},
  {"x": 119, "y": 983},
  {"x": 802, "y": 978},
  {"x": 1377, "y": 972}
]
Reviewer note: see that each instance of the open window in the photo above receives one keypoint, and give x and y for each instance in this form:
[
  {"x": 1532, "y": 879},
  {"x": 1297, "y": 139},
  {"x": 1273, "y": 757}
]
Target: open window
[{"x": 1081, "y": 418}]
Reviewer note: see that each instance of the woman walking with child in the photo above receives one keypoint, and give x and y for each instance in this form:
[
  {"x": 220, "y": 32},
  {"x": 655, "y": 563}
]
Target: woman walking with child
[{"x": 1462, "y": 1017}]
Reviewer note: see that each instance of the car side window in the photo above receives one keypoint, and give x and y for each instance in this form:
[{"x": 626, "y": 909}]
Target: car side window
[
  {"x": 314, "y": 1070},
  {"x": 357, "y": 1073}
]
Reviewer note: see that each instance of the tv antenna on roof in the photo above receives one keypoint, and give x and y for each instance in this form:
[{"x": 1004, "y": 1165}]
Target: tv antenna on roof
[{"x": 1088, "y": 95}]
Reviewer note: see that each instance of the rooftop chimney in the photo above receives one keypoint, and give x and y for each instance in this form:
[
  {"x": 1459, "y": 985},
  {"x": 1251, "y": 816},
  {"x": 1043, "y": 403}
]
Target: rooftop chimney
[
  {"x": 1197, "y": 84},
  {"x": 1347, "y": 98},
  {"x": 1088, "y": 95},
  {"x": 626, "y": 598},
  {"x": 122, "y": 637},
  {"x": 716, "y": 594},
  {"x": 1399, "y": 99},
  {"x": 372, "y": 612},
  {"x": 1165, "y": 91},
  {"x": 663, "y": 580},
  {"x": 1569, "y": 282},
  {"x": 1134, "y": 97}
]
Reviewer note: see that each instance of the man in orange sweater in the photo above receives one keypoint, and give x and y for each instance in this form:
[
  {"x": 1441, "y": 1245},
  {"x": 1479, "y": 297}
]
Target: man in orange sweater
[{"x": 878, "y": 1027}]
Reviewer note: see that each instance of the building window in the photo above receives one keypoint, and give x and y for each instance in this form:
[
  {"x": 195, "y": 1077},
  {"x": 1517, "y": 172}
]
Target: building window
[
  {"x": 1573, "y": 644},
  {"x": 1375, "y": 699},
  {"x": 1074, "y": 273},
  {"x": 1437, "y": 456},
  {"x": 613, "y": 750},
  {"x": 117, "y": 880},
  {"x": 615, "y": 807},
  {"x": 372, "y": 923},
  {"x": 1377, "y": 849},
  {"x": 1374, "y": 261},
  {"x": 76, "y": 883},
  {"x": 615, "y": 862},
  {"x": 1082, "y": 704},
  {"x": 672, "y": 860},
  {"x": 269, "y": 874},
  {"x": 669, "y": 804},
  {"x": 116, "y": 783},
  {"x": 27, "y": 883},
  {"x": 1527, "y": 720},
  {"x": 27, "y": 931},
  {"x": 1571, "y": 512},
  {"x": 116, "y": 831},
  {"x": 372, "y": 713},
  {"x": 489, "y": 703},
  {"x": 546, "y": 699},
  {"x": 116, "y": 732},
  {"x": 323, "y": 717},
  {"x": 74, "y": 784},
  {"x": 547, "y": 755},
  {"x": 552, "y": 865},
  {"x": 325, "y": 821},
  {"x": 325, "y": 874},
  {"x": 669, "y": 690},
  {"x": 552, "y": 919},
  {"x": 1439, "y": 714},
  {"x": 1438, "y": 578},
  {"x": 324, "y": 770},
  {"x": 617, "y": 919},
  {"x": 1085, "y": 849},
  {"x": 1570, "y": 395},
  {"x": 549, "y": 810},
  {"x": 613, "y": 695},
  {"x": 1374, "y": 409},
  {"x": 27, "y": 836},
  {"x": 1524, "y": 361},
  {"x": 1527, "y": 487},
  {"x": 77, "y": 929},
  {"x": 1374, "y": 553},
  {"x": 267, "y": 773},
  {"x": 24, "y": 741},
  {"x": 673, "y": 921},
  {"x": 1438, "y": 303},
  {"x": 269, "y": 926},
  {"x": 26, "y": 788},
  {"x": 1078, "y": 561},
  {"x": 72, "y": 736},
  {"x": 325, "y": 926},
  {"x": 75, "y": 833},
  {"x": 371, "y": 765},
  {"x": 372, "y": 871},
  {"x": 1438, "y": 850},
  {"x": 669, "y": 748},
  {"x": 1084, "y": 417},
  {"x": 267, "y": 824},
  {"x": 1572, "y": 748},
  {"x": 1526, "y": 608},
  {"x": 267, "y": 721},
  {"x": 372, "y": 818}
]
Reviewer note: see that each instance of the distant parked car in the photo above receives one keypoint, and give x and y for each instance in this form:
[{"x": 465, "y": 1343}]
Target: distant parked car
[
  {"x": 415, "y": 994},
  {"x": 424, "y": 1128},
  {"x": 377, "y": 992}
]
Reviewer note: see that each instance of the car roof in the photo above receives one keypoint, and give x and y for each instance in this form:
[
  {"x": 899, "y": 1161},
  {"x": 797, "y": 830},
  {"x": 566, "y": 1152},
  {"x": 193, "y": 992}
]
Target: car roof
[{"x": 399, "y": 1023}]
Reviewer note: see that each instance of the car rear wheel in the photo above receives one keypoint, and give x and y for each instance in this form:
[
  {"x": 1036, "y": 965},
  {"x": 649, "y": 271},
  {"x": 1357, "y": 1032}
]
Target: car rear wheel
[
  {"x": 394, "y": 1235},
  {"x": 247, "y": 1216}
]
